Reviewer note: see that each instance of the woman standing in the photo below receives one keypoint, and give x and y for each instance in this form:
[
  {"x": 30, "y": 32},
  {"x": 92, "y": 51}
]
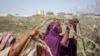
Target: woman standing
[{"x": 60, "y": 45}]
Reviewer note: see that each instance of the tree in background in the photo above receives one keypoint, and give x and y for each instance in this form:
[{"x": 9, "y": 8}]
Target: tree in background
[
  {"x": 61, "y": 13},
  {"x": 49, "y": 13}
]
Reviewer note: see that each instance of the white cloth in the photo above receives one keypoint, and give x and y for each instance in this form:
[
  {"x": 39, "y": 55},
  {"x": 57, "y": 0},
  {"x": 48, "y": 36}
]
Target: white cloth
[
  {"x": 34, "y": 51},
  {"x": 5, "y": 51}
]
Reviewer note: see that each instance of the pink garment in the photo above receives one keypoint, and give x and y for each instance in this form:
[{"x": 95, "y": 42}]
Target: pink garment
[{"x": 5, "y": 40}]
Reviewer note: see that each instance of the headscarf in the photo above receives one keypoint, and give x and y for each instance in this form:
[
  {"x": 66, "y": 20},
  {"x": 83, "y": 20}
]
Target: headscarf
[
  {"x": 52, "y": 28},
  {"x": 52, "y": 38},
  {"x": 5, "y": 40}
]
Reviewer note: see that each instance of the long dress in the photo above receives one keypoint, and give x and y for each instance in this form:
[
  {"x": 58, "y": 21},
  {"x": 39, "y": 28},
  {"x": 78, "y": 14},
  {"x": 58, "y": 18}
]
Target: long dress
[{"x": 70, "y": 50}]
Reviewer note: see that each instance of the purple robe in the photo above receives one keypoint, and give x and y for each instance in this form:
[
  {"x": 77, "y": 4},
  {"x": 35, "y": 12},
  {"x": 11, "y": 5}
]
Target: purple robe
[{"x": 52, "y": 39}]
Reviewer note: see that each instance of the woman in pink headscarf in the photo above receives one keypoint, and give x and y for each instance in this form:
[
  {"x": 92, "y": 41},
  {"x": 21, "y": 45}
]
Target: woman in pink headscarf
[{"x": 8, "y": 47}]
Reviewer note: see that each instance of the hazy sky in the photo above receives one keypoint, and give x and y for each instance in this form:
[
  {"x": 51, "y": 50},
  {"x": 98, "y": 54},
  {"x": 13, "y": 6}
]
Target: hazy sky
[{"x": 29, "y": 7}]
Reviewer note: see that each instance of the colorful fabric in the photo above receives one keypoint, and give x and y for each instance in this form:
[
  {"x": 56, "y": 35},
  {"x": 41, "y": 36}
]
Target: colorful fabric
[
  {"x": 5, "y": 40},
  {"x": 52, "y": 39}
]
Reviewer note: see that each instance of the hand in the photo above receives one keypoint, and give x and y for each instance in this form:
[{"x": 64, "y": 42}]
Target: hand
[
  {"x": 33, "y": 32},
  {"x": 68, "y": 23},
  {"x": 75, "y": 21},
  {"x": 41, "y": 35}
]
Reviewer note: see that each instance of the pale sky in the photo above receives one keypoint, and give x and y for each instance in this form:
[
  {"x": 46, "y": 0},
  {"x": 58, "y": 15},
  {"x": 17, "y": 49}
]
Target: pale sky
[{"x": 29, "y": 7}]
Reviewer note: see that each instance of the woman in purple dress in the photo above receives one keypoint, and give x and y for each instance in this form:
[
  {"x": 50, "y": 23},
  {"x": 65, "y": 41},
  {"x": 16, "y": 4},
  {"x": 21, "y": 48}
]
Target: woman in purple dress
[{"x": 60, "y": 45}]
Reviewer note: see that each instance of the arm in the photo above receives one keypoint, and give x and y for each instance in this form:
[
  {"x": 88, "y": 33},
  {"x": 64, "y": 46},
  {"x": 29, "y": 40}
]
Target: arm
[
  {"x": 17, "y": 48},
  {"x": 75, "y": 22},
  {"x": 65, "y": 37},
  {"x": 75, "y": 29}
]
